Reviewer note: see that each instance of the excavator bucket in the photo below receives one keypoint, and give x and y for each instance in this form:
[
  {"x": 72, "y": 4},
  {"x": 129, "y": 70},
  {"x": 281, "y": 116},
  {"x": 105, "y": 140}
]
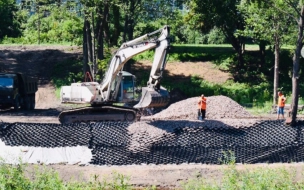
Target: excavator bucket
[{"x": 151, "y": 98}]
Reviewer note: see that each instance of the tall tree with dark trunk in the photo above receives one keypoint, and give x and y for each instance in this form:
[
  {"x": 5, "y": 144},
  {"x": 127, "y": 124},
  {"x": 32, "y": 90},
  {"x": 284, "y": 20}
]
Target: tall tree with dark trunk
[
  {"x": 105, "y": 22},
  {"x": 131, "y": 11},
  {"x": 116, "y": 19},
  {"x": 265, "y": 23},
  {"x": 99, "y": 33},
  {"x": 296, "y": 61},
  {"x": 87, "y": 47},
  {"x": 96, "y": 32}
]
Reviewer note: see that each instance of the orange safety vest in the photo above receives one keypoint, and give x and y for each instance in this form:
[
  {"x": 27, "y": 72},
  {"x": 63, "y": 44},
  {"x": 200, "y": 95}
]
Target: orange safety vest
[
  {"x": 281, "y": 101},
  {"x": 202, "y": 104}
]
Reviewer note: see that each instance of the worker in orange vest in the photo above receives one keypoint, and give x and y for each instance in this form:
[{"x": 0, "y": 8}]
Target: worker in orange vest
[
  {"x": 281, "y": 104},
  {"x": 202, "y": 104}
]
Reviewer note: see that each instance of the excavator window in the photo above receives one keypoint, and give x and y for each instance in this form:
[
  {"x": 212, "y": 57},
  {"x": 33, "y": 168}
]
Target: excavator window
[{"x": 127, "y": 88}]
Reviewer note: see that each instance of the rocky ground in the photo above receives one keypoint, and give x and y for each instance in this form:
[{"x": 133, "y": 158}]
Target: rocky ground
[{"x": 38, "y": 61}]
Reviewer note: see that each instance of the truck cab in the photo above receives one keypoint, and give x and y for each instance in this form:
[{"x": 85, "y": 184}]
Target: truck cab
[
  {"x": 8, "y": 90},
  {"x": 17, "y": 90}
]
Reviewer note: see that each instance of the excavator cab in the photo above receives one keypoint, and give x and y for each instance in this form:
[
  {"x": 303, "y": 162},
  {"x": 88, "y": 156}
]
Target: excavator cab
[
  {"x": 149, "y": 97},
  {"x": 126, "y": 92}
]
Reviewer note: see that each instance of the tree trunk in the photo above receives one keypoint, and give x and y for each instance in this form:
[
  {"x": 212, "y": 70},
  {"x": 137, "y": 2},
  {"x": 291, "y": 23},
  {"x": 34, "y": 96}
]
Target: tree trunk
[
  {"x": 276, "y": 69},
  {"x": 89, "y": 47},
  {"x": 126, "y": 23},
  {"x": 85, "y": 51},
  {"x": 262, "y": 50},
  {"x": 105, "y": 23},
  {"x": 93, "y": 37},
  {"x": 125, "y": 31},
  {"x": 237, "y": 46},
  {"x": 131, "y": 20},
  {"x": 99, "y": 35},
  {"x": 296, "y": 69},
  {"x": 116, "y": 16}
]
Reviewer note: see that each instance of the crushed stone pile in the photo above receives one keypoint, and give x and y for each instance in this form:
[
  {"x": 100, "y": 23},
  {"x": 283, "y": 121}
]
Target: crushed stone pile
[{"x": 218, "y": 107}]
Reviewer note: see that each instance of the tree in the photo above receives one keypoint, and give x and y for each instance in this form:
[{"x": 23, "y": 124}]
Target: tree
[
  {"x": 89, "y": 59},
  {"x": 265, "y": 23},
  {"x": 131, "y": 13},
  {"x": 9, "y": 24},
  {"x": 298, "y": 7},
  {"x": 96, "y": 33},
  {"x": 224, "y": 15}
]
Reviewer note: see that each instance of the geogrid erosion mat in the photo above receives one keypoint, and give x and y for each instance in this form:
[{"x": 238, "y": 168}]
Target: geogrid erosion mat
[{"x": 166, "y": 142}]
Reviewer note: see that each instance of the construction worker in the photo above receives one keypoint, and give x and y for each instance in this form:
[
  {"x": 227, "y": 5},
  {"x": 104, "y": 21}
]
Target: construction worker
[
  {"x": 281, "y": 104},
  {"x": 202, "y": 104}
]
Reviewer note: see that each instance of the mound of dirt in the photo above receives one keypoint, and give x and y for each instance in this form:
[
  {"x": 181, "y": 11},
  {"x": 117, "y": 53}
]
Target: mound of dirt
[{"x": 218, "y": 107}]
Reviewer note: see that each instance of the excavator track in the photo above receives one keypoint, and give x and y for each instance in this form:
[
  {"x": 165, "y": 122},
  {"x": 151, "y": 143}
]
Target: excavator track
[{"x": 97, "y": 114}]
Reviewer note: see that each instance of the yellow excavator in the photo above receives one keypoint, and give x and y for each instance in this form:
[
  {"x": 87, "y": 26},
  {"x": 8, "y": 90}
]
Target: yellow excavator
[{"x": 119, "y": 86}]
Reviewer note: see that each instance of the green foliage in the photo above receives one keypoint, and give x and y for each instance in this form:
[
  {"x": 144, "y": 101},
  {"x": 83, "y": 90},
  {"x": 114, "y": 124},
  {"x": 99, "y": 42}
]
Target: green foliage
[
  {"x": 240, "y": 92},
  {"x": 184, "y": 33},
  {"x": 265, "y": 21},
  {"x": 179, "y": 29},
  {"x": 59, "y": 27},
  {"x": 102, "y": 65},
  {"x": 45, "y": 178},
  {"x": 215, "y": 36},
  {"x": 10, "y": 22},
  {"x": 12, "y": 177},
  {"x": 190, "y": 52},
  {"x": 259, "y": 107},
  {"x": 17, "y": 177},
  {"x": 145, "y": 28},
  {"x": 257, "y": 178},
  {"x": 67, "y": 72},
  {"x": 279, "y": 178},
  {"x": 205, "y": 15},
  {"x": 147, "y": 55},
  {"x": 11, "y": 40}
]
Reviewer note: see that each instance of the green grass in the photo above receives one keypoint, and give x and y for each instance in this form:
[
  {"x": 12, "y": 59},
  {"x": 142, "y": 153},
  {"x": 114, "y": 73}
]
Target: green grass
[
  {"x": 256, "y": 178},
  {"x": 253, "y": 179},
  {"x": 260, "y": 108},
  {"x": 21, "y": 177}
]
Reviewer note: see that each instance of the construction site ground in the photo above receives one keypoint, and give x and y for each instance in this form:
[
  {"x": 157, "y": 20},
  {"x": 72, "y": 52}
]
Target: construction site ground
[{"x": 39, "y": 60}]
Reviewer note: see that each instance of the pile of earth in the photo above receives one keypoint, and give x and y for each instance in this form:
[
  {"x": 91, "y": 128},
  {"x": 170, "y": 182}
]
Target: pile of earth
[{"x": 218, "y": 107}]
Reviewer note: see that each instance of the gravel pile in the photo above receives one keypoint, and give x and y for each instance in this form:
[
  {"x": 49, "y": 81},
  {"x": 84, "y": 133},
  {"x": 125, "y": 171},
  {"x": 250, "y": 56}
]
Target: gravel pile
[
  {"x": 218, "y": 107},
  {"x": 146, "y": 134}
]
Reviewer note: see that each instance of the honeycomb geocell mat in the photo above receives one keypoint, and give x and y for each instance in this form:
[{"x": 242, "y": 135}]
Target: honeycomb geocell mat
[{"x": 166, "y": 142}]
